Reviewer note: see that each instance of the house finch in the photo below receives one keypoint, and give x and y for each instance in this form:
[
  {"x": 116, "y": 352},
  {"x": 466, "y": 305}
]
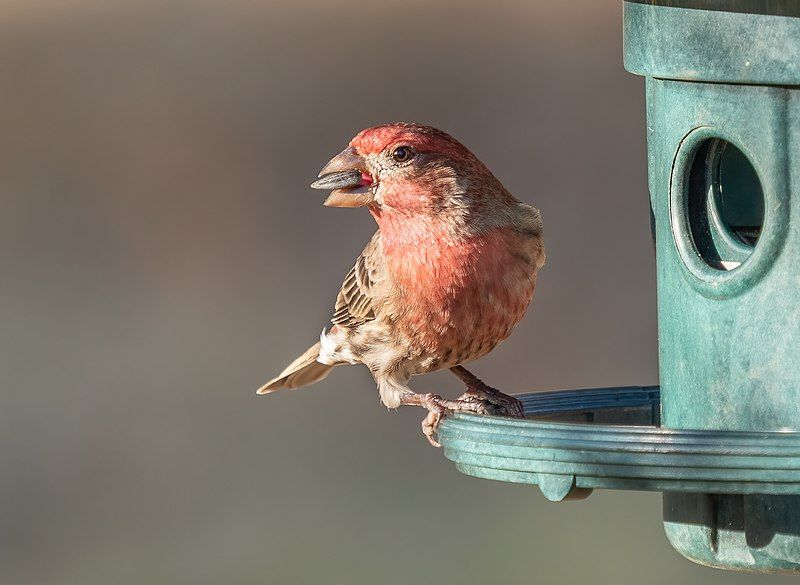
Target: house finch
[{"x": 447, "y": 276}]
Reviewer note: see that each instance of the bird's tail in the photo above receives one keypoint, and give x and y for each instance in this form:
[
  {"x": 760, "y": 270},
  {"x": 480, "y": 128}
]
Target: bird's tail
[{"x": 303, "y": 371}]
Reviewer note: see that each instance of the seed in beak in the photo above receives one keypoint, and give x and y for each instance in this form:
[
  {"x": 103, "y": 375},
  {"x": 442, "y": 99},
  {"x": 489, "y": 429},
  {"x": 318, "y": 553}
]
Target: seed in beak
[{"x": 339, "y": 180}]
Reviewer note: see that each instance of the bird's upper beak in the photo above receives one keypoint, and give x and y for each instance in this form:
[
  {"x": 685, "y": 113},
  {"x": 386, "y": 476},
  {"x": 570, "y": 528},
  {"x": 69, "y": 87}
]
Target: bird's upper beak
[{"x": 346, "y": 174}]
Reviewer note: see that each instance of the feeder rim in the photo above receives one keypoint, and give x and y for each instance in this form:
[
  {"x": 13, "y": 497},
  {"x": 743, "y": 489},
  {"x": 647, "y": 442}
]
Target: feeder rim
[
  {"x": 788, "y": 8},
  {"x": 722, "y": 41},
  {"x": 569, "y": 458}
]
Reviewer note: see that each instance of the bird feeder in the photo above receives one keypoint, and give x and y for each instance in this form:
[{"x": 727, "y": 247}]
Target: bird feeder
[{"x": 720, "y": 436}]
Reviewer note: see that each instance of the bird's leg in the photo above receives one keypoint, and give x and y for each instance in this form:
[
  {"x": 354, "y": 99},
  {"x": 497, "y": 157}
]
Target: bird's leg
[
  {"x": 500, "y": 404},
  {"x": 438, "y": 408}
]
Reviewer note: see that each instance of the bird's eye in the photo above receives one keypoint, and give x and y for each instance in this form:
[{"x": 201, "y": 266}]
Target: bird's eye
[{"x": 402, "y": 154}]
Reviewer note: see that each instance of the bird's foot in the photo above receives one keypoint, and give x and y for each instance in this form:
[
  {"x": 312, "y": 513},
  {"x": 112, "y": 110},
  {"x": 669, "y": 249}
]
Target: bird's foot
[
  {"x": 494, "y": 401},
  {"x": 472, "y": 403},
  {"x": 477, "y": 391},
  {"x": 436, "y": 412}
]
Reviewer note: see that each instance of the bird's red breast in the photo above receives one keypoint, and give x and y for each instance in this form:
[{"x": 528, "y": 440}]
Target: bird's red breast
[{"x": 458, "y": 294}]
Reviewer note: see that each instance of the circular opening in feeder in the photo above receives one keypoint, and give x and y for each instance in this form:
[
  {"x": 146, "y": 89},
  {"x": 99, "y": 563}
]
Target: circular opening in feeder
[{"x": 725, "y": 205}]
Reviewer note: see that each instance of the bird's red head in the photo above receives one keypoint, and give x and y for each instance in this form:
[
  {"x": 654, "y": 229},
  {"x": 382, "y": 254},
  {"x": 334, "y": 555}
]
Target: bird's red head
[
  {"x": 407, "y": 169},
  {"x": 423, "y": 139}
]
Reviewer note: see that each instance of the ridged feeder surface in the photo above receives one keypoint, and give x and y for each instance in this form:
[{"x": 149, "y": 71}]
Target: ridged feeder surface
[{"x": 569, "y": 459}]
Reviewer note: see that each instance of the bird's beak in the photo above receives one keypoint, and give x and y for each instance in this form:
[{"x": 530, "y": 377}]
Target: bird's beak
[{"x": 346, "y": 174}]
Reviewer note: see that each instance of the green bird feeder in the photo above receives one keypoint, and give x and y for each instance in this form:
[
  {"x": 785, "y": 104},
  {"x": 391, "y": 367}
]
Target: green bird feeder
[{"x": 720, "y": 437}]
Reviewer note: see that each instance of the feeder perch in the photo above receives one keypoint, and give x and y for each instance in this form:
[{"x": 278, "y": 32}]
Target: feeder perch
[{"x": 721, "y": 436}]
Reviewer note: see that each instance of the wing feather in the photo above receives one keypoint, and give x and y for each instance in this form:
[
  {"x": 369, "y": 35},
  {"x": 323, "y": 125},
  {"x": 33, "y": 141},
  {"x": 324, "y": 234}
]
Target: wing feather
[{"x": 354, "y": 304}]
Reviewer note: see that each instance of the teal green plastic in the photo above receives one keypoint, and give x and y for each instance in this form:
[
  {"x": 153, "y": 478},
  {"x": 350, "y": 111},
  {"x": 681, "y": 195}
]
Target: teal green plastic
[
  {"x": 744, "y": 532},
  {"x": 732, "y": 498},
  {"x": 728, "y": 308},
  {"x": 625, "y": 451},
  {"x": 670, "y": 42}
]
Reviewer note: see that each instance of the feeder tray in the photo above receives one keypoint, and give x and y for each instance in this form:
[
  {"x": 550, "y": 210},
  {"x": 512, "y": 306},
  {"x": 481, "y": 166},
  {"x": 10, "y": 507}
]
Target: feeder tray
[{"x": 562, "y": 448}]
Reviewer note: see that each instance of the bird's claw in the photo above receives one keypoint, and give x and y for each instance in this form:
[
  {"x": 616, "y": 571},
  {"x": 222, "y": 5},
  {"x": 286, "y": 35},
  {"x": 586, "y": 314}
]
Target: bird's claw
[
  {"x": 484, "y": 400},
  {"x": 430, "y": 426},
  {"x": 496, "y": 403},
  {"x": 436, "y": 413}
]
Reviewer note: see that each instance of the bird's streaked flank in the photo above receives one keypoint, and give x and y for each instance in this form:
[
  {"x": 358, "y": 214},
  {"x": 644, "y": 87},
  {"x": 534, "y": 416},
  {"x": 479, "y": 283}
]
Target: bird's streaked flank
[{"x": 447, "y": 276}]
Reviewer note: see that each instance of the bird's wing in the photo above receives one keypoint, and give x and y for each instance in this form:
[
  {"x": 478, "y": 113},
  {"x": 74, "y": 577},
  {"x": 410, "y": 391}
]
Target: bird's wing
[{"x": 354, "y": 305}]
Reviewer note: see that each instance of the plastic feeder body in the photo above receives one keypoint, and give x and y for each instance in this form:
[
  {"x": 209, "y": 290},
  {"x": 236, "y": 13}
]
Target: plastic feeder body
[{"x": 723, "y": 134}]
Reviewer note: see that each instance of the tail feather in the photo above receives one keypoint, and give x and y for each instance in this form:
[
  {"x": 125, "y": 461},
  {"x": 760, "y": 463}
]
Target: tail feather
[{"x": 303, "y": 371}]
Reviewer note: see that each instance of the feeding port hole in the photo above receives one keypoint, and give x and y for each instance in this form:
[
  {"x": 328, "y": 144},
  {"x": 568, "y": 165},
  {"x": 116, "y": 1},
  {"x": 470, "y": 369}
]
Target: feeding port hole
[{"x": 725, "y": 204}]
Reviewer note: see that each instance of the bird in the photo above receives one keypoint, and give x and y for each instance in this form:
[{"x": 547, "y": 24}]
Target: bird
[{"x": 447, "y": 276}]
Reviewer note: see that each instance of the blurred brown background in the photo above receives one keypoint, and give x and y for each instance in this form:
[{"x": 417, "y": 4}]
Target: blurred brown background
[{"x": 162, "y": 256}]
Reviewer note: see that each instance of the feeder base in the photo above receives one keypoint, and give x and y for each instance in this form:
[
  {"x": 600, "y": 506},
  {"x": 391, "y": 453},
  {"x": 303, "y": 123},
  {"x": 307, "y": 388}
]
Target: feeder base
[{"x": 741, "y": 532}]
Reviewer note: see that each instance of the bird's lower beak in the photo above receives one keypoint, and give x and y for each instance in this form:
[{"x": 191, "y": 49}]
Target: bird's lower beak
[{"x": 348, "y": 178}]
